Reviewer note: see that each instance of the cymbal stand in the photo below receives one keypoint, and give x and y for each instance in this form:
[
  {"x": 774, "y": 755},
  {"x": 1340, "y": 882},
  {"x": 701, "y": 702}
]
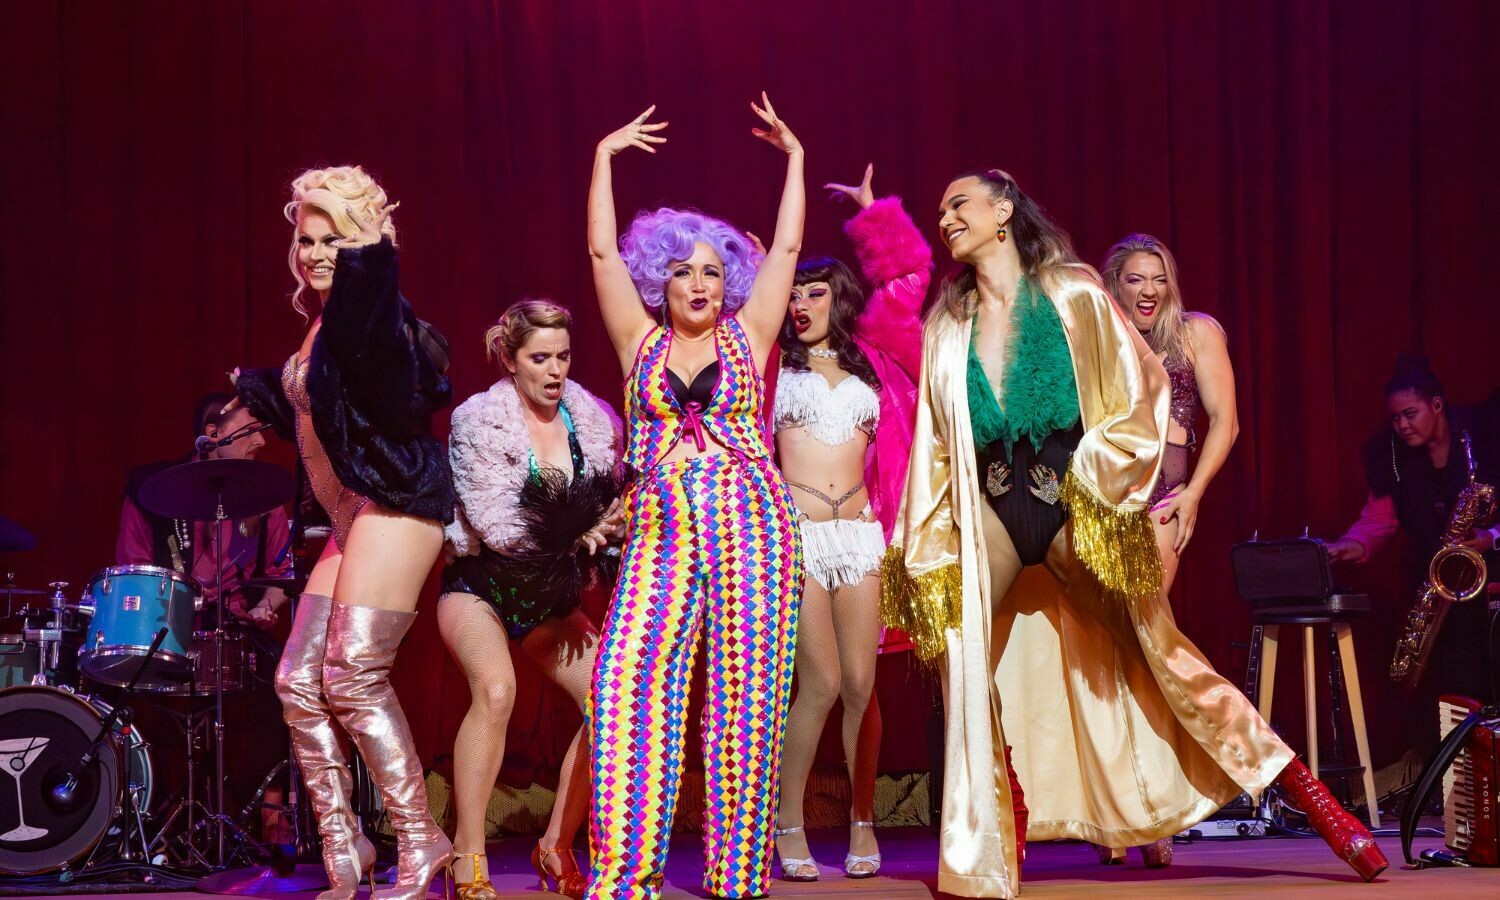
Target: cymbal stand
[
  {"x": 189, "y": 804},
  {"x": 304, "y": 836},
  {"x": 218, "y": 819}
]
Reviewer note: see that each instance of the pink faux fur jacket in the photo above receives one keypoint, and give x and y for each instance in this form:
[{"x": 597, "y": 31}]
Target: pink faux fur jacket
[
  {"x": 490, "y": 452},
  {"x": 898, "y": 265}
]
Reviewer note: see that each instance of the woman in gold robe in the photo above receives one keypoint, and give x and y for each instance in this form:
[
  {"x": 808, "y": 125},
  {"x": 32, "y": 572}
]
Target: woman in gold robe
[{"x": 1041, "y": 419}]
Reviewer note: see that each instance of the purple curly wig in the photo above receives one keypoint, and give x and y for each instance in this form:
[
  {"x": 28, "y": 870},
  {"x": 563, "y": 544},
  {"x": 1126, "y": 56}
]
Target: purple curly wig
[{"x": 659, "y": 238}]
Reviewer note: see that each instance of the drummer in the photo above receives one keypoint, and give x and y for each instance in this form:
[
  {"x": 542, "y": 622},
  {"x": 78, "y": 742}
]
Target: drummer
[{"x": 253, "y": 548}]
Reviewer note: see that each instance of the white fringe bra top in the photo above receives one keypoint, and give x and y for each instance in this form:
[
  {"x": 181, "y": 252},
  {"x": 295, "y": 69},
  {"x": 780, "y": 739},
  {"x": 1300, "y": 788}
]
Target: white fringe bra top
[{"x": 830, "y": 414}]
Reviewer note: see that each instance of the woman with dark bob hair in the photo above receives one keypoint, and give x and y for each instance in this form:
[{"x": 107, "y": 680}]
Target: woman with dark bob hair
[
  {"x": 712, "y": 551},
  {"x": 1041, "y": 421},
  {"x": 842, "y": 415}
]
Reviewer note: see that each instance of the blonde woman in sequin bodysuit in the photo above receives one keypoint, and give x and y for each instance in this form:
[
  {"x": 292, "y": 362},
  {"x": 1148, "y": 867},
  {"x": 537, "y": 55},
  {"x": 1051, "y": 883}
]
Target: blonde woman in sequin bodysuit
[
  {"x": 1141, "y": 274},
  {"x": 357, "y": 396}
]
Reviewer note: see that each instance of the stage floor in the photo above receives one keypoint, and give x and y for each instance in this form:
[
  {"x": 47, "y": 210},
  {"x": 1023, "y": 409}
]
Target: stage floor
[{"x": 1285, "y": 867}]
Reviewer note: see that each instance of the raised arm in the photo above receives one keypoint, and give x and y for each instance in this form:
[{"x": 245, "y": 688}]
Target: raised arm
[
  {"x": 897, "y": 263},
  {"x": 625, "y": 316},
  {"x": 766, "y": 307}
]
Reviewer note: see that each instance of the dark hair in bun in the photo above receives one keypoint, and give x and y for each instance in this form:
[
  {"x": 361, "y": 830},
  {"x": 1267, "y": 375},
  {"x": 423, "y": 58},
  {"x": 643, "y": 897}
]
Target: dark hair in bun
[{"x": 1413, "y": 373}]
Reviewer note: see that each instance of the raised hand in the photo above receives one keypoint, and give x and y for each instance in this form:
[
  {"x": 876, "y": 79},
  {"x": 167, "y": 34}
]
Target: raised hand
[
  {"x": 369, "y": 230},
  {"x": 756, "y": 242},
  {"x": 779, "y": 136},
  {"x": 862, "y": 193},
  {"x": 639, "y": 133}
]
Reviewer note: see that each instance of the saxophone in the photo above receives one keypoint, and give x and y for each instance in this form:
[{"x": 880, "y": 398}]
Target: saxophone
[{"x": 1456, "y": 574}]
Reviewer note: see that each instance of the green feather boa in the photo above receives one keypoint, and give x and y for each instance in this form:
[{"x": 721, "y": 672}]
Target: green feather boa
[{"x": 1041, "y": 395}]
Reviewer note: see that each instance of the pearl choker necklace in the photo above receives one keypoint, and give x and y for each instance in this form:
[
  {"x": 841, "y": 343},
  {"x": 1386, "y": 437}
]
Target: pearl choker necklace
[{"x": 822, "y": 353}]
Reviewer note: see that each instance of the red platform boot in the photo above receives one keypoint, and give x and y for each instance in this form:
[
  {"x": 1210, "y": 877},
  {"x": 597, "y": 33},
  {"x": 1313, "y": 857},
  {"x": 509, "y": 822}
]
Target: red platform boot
[
  {"x": 1344, "y": 834},
  {"x": 1018, "y": 806}
]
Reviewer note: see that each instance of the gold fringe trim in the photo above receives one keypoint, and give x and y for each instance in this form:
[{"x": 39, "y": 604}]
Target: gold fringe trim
[
  {"x": 924, "y": 606},
  {"x": 1117, "y": 545}
]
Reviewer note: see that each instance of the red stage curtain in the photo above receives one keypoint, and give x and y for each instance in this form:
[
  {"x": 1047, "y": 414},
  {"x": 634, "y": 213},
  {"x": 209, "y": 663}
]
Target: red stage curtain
[{"x": 1323, "y": 170}]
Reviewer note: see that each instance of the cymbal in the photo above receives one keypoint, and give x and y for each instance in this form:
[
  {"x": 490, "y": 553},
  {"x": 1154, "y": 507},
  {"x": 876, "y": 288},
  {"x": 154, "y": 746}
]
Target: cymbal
[
  {"x": 15, "y": 538},
  {"x": 245, "y": 487},
  {"x": 257, "y": 880},
  {"x": 22, "y": 592}
]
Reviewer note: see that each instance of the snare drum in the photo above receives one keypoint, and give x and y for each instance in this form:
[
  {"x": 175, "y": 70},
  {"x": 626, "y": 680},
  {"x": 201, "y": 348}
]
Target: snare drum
[
  {"x": 21, "y": 656},
  {"x": 232, "y": 662},
  {"x": 130, "y": 604},
  {"x": 18, "y": 661}
]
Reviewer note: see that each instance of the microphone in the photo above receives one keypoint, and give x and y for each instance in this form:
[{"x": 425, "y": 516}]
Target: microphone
[
  {"x": 204, "y": 445},
  {"x": 64, "y": 795}
]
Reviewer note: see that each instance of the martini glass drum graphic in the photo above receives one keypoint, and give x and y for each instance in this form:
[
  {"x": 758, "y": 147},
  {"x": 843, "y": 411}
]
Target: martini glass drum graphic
[
  {"x": 44, "y": 733},
  {"x": 18, "y": 754}
]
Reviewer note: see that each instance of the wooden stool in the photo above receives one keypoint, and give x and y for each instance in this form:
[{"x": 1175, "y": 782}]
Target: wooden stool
[{"x": 1341, "y": 610}]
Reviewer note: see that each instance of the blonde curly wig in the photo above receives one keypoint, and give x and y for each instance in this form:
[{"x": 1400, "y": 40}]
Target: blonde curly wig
[{"x": 333, "y": 191}]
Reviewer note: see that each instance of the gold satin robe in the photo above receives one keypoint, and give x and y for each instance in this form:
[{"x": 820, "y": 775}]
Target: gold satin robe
[{"x": 1121, "y": 731}]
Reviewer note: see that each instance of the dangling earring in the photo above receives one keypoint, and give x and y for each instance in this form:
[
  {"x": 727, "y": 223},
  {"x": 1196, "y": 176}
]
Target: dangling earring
[{"x": 1001, "y": 234}]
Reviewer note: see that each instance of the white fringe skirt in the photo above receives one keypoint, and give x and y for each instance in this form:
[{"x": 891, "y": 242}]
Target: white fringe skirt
[{"x": 841, "y": 552}]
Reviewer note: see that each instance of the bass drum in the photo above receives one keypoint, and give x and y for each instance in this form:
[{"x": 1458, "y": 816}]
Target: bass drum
[{"x": 44, "y": 732}]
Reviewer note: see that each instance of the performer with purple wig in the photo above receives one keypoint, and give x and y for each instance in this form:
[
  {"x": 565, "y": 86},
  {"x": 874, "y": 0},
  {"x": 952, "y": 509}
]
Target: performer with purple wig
[{"x": 712, "y": 549}]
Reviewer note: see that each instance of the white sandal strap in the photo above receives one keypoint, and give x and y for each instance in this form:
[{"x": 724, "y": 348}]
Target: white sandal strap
[
  {"x": 851, "y": 859},
  {"x": 795, "y": 829},
  {"x": 861, "y": 824}
]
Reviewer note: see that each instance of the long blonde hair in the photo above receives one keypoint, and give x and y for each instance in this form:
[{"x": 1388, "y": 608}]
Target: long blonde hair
[
  {"x": 1169, "y": 333},
  {"x": 1045, "y": 249},
  {"x": 333, "y": 192}
]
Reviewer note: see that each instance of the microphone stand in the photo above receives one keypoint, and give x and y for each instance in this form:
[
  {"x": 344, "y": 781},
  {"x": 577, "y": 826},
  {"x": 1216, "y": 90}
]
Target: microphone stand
[{"x": 65, "y": 792}]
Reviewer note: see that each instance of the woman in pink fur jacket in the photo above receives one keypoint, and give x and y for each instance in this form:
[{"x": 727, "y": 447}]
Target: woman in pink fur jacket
[
  {"x": 536, "y": 467},
  {"x": 842, "y": 412}
]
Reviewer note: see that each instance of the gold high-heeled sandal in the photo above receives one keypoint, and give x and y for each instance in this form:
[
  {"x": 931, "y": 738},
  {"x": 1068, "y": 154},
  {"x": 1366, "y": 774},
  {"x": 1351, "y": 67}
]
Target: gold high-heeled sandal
[{"x": 479, "y": 887}]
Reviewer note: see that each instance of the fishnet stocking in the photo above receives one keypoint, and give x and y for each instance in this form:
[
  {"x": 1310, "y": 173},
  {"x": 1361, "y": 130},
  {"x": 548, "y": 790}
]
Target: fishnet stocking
[
  {"x": 838, "y": 637},
  {"x": 564, "y": 649},
  {"x": 472, "y": 630}
]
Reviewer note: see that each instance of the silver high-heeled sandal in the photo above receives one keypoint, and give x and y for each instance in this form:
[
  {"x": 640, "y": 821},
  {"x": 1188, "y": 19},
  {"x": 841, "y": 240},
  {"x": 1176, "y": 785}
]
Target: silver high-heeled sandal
[
  {"x": 873, "y": 860},
  {"x": 795, "y": 869}
]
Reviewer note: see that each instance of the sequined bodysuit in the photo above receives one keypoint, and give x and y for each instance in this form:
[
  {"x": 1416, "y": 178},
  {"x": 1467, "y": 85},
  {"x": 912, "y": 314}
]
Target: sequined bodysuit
[
  {"x": 1185, "y": 406},
  {"x": 341, "y": 504}
]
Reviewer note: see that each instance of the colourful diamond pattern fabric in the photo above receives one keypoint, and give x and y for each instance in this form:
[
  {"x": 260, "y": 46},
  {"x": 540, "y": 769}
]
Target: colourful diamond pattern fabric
[{"x": 714, "y": 556}]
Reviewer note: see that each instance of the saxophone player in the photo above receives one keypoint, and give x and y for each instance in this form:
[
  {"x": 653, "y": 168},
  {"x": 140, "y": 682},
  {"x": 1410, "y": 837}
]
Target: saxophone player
[{"x": 1414, "y": 471}]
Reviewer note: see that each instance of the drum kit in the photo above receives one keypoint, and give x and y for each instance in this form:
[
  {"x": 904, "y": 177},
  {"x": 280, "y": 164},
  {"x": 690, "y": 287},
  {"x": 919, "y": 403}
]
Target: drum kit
[{"x": 79, "y": 781}]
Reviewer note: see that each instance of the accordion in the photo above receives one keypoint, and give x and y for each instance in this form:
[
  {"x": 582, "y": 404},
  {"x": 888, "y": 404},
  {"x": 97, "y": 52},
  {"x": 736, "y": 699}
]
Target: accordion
[{"x": 1470, "y": 803}]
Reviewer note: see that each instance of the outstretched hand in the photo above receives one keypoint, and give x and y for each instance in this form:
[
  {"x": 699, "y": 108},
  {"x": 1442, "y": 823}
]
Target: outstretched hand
[
  {"x": 369, "y": 230},
  {"x": 862, "y": 193},
  {"x": 639, "y": 133},
  {"x": 779, "y": 135}
]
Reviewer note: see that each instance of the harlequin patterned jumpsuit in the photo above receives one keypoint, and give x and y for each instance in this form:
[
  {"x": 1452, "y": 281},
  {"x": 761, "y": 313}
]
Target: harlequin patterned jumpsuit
[{"x": 712, "y": 554}]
